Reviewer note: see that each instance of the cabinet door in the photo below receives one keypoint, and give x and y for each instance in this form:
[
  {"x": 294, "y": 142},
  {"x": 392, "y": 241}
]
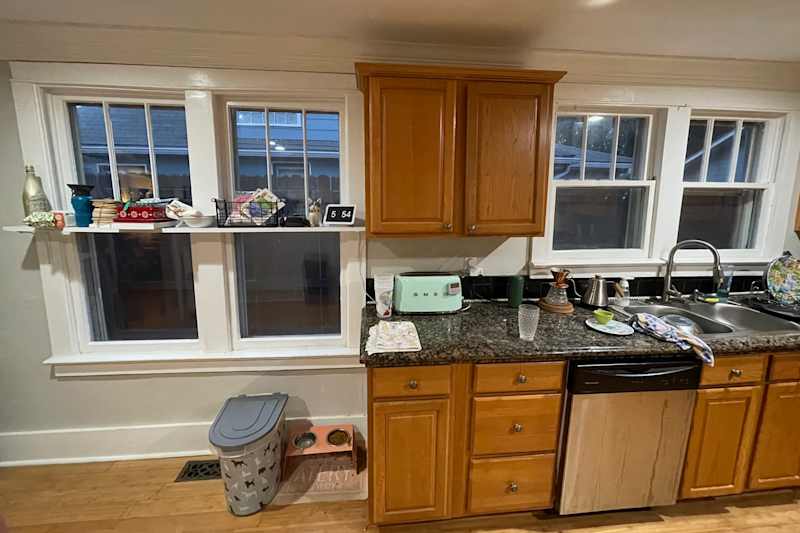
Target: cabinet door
[
  {"x": 411, "y": 155},
  {"x": 776, "y": 462},
  {"x": 409, "y": 455},
  {"x": 721, "y": 441},
  {"x": 508, "y": 153}
]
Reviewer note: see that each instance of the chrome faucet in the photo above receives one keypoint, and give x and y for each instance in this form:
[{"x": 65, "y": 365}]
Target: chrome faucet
[{"x": 670, "y": 291}]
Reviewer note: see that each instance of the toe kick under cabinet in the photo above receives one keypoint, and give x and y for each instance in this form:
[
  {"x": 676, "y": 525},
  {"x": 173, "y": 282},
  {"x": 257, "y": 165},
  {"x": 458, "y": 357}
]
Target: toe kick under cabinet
[{"x": 458, "y": 440}]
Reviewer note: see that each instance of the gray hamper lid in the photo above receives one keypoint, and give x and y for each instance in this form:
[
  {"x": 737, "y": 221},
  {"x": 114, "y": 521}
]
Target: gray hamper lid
[{"x": 245, "y": 419}]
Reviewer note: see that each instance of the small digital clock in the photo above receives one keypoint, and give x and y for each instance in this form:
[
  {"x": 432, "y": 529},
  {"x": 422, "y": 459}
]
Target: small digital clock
[{"x": 339, "y": 215}]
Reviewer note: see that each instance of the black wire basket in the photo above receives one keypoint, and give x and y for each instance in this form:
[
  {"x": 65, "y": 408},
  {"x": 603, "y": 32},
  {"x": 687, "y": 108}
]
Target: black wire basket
[{"x": 247, "y": 213}]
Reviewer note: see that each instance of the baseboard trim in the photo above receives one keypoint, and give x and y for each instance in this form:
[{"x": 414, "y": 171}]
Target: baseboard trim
[{"x": 120, "y": 443}]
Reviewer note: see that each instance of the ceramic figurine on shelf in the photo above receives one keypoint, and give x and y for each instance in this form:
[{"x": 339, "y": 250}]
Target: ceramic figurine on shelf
[
  {"x": 314, "y": 212},
  {"x": 34, "y": 199},
  {"x": 81, "y": 203}
]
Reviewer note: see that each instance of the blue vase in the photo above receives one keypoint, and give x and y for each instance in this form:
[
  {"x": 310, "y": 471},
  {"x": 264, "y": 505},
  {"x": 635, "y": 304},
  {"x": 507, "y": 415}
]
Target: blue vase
[{"x": 81, "y": 204}]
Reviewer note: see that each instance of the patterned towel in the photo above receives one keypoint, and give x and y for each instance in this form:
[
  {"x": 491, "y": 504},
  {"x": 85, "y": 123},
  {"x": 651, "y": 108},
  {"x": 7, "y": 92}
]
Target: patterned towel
[{"x": 655, "y": 327}]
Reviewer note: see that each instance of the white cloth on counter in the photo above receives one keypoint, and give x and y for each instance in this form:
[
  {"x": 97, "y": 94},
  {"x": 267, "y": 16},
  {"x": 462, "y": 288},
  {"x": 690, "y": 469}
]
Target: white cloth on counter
[{"x": 388, "y": 336}]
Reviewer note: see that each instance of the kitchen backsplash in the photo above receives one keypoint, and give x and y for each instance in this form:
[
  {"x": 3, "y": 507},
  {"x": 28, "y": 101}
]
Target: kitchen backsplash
[{"x": 490, "y": 287}]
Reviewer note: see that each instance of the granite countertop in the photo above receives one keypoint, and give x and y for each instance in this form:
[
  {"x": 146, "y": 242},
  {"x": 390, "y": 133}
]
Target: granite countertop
[{"x": 487, "y": 332}]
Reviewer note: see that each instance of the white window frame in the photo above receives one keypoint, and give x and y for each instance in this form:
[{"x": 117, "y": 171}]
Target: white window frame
[
  {"x": 647, "y": 183},
  {"x": 63, "y": 139},
  {"x": 765, "y": 180},
  {"x": 266, "y": 342},
  {"x": 40, "y": 96}
]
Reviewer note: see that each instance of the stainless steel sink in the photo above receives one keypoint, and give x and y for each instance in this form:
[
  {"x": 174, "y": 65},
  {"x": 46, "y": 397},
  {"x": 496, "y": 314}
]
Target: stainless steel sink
[
  {"x": 706, "y": 325},
  {"x": 720, "y": 318}
]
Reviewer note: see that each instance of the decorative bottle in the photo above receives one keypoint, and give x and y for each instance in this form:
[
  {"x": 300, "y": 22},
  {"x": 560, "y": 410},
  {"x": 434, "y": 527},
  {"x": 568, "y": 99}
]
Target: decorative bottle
[{"x": 34, "y": 199}]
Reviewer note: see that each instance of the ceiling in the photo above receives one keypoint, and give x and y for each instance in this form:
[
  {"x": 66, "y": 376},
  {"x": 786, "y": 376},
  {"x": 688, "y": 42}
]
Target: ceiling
[{"x": 736, "y": 29}]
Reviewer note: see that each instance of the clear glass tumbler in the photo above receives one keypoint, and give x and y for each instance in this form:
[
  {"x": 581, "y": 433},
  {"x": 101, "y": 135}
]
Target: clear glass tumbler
[{"x": 528, "y": 321}]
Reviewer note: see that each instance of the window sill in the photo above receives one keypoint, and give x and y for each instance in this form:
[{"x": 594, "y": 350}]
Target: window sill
[{"x": 278, "y": 360}]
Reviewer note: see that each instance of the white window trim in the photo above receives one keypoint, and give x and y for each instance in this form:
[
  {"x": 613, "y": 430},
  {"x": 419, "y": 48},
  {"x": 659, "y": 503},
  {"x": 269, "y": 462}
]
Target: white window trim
[
  {"x": 678, "y": 105},
  {"x": 40, "y": 102},
  {"x": 569, "y": 257}
]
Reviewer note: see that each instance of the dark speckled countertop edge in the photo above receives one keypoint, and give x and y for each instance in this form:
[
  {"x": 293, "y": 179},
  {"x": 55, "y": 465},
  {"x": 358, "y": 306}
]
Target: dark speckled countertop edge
[{"x": 487, "y": 333}]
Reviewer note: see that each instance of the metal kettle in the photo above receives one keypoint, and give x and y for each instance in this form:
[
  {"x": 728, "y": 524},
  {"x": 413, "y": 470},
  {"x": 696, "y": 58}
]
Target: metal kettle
[{"x": 596, "y": 294}]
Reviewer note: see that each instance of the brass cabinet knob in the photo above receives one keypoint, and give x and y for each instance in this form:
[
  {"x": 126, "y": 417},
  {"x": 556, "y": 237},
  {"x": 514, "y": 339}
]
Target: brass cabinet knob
[
  {"x": 513, "y": 487},
  {"x": 448, "y": 227},
  {"x": 517, "y": 428},
  {"x": 736, "y": 373},
  {"x": 473, "y": 227},
  {"x": 522, "y": 379},
  {"x": 412, "y": 384}
]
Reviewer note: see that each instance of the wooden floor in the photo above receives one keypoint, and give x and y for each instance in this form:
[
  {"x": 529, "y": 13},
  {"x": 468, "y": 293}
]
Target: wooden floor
[{"x": 140, "y": 497}]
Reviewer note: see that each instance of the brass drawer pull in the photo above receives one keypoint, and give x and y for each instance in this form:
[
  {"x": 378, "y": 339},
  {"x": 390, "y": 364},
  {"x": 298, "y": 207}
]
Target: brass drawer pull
[
  {"x": 736, "y": 373},
  {"x": 447, "y": 226},
  {"x": 522, "y": 379},
  {"x": 412, "y": 384},
  {"x": 513, "y": 487},
  {"x": 473, "y": 227},
  {"x": 517, "y": 428}
]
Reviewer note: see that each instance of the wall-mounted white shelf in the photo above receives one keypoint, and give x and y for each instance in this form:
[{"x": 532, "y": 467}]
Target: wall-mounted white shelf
[
  {"x": 244, "y": 229},
  {"x": 19, "y": 229}
]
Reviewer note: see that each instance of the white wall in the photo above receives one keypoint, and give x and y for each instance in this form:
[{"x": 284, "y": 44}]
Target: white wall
[{"x": 42, "y": 418}]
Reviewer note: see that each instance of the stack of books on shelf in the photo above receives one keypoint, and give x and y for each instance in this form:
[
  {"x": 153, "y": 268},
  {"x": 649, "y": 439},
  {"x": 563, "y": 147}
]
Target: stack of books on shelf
[{"x": 104, "y": 211}]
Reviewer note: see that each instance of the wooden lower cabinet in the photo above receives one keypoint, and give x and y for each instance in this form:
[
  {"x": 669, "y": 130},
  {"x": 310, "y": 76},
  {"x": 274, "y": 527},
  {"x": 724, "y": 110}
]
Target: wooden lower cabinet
[
  {"x": 721, "y": 441},
  {"x": 776, "y": 462},
  {"x": 410, "y": 447},
  {"x": 511, "y": 483}
]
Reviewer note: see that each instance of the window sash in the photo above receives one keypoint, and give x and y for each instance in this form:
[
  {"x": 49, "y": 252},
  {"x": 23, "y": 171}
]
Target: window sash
[
  {"x": 106, "y": 102},
  {"x": 615, "y": 143},
  {"x": 279, "y": 107},
  {"x": 737, "y": 139}
]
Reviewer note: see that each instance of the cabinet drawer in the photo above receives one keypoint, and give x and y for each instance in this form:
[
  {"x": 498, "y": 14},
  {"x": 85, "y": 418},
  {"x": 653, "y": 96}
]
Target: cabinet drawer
[
  {"x": 519, "y": 377},
  {"x": 511, "y": 483},
  {"x": 515, "y": 424},
  {"x": 411, "y": 381},
  {"x": 785, "y": 366},
  {"x": 738, "y": 369}
]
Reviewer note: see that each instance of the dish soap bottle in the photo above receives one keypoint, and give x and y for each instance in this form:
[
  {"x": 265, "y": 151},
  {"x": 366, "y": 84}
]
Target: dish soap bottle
[{"x": 34, "y": 199}]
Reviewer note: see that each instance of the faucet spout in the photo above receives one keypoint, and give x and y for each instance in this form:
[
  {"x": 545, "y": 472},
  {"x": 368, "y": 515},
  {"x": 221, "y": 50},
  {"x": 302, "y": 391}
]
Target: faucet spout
[{"x": 668, "y": 291}]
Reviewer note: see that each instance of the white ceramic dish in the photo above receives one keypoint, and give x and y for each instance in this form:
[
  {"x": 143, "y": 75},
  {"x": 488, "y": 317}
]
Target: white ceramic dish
[
  {"x": 612, "y": 327},
  {"x": 198, "y": 222}
]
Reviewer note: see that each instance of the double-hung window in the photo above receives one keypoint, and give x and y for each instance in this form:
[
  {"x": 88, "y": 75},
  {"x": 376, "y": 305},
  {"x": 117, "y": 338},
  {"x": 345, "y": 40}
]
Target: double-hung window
[
  {"x": 726, "y": 181},
  {"x": 133, "y": 286},
  {"x": 288, "y": 287},
  {"x": 601, "y": 194}
]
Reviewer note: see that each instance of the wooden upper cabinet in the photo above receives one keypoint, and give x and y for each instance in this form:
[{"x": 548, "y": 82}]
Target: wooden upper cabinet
[
  {"x": 411, "y": 155},
  {"x": 776, "y": 462},
  {"x": 454, "y": 150},
  {"x": 721, "y": 441},
  {"x": 508, "y": 153}
]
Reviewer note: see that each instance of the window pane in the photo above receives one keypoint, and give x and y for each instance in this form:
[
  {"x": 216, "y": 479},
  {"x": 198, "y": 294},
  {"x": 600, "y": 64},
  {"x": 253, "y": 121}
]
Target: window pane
[
  {"x": 91, "y": 148},
  {"x": 726, "y": 219},
  {"x": 719, "y": 160},
  {"x": 695, "y": 148},
  {"x": 599, "y": 217},
  {"x": 172, "y": 152},
  {"x": 288, "y": 284},
  {"x": 599, "y": 143},
  {"x": 322, "y": 138},
  {"x": 138, "y": 286},
  {"x": 129, "y": 127},
  {"x": 287, "y": 159},
  {"x": 631, "y": 148},
  {"x": 250, "y": 149},
  {"x": 747, "y": 159},
  {"x": 569, "y": 140}
]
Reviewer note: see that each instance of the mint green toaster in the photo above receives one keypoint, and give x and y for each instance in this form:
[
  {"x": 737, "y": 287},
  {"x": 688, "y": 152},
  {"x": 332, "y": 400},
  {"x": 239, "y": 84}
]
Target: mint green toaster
[{"x": 427, "y": 292}]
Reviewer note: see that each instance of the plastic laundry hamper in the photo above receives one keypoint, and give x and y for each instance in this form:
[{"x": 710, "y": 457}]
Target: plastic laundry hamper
[{"x": 248, "y": 435}]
